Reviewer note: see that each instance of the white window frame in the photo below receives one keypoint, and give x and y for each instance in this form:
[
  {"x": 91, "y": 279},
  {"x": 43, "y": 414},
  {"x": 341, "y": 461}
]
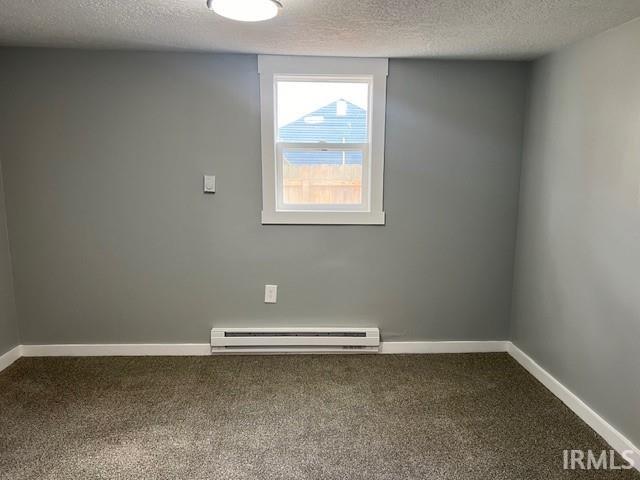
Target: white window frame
[{"x": 374, "y": 71}]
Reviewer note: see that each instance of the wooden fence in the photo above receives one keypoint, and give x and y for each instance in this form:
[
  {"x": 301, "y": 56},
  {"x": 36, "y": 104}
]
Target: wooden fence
[{"x": 318, "y": 184}]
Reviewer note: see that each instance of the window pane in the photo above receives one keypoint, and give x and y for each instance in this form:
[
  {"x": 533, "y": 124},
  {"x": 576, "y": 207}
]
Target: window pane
[
  {"x": 322, "y": 177},
  {"x": 332, "y": 112}
]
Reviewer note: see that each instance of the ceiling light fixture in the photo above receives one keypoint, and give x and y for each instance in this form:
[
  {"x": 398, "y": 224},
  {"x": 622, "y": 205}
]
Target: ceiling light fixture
[{"x": 245, "y": 10}]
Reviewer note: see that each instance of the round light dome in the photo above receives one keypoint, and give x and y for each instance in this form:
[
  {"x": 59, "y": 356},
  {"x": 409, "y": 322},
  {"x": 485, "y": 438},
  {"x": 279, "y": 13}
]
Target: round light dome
[{"x": 245, "y": 10}]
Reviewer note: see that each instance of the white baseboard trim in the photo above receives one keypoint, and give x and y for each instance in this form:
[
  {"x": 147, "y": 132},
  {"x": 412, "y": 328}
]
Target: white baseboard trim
[
  {"x": 613, "y": 437},
  {"x": 115, "y": 350},
  {"x": 445, "y": 347},
  {"x": 11, "y": 356},
  {"x": 177, "y": 349}
]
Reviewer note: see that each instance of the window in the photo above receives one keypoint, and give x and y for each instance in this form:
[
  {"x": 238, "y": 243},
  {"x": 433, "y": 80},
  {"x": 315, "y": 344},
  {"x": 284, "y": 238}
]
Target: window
[{"x": 322, "y": 139}]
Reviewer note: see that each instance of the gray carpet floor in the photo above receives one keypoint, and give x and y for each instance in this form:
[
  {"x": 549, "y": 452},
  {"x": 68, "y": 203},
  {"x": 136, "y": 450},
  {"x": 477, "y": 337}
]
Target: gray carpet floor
[{"x": 475, "y": 416}]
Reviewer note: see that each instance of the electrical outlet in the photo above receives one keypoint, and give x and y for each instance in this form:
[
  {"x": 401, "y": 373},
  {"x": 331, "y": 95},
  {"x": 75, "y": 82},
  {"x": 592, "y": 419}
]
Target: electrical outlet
[
  {"x": 209, "y": 184},
  {"x": 270, "y": 293}
]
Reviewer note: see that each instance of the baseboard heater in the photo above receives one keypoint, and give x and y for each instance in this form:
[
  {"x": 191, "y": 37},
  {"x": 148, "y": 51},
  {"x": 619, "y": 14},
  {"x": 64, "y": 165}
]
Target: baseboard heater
[{"x": 295, "y": 340}]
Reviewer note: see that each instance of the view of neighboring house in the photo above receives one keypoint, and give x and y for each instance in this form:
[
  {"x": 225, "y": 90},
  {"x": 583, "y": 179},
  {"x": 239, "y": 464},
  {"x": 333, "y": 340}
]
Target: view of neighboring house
[
  {"x": 314, "y": 175},
  {"x": 338, "y": 122}
]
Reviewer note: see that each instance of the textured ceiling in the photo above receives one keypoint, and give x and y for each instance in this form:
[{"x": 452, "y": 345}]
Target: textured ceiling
[{"x": 389, "y": 28}]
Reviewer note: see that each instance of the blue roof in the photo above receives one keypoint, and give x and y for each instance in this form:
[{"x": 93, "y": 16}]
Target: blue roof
[{"x": 338, "y": 122}]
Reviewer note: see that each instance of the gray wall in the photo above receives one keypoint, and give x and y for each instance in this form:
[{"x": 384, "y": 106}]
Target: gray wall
[
  {"x": 9, "y": 337},
  {"x": 113, "y": 240},
  {"x": 577, "y": 288}
]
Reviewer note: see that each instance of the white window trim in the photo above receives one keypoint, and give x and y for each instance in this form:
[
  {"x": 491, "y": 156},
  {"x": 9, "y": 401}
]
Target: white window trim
[{"x": 377, "y": 68}]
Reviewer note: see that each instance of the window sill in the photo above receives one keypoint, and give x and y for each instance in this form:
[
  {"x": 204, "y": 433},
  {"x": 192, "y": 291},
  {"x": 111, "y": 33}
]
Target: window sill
[{"x": 323, "y": 218}]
